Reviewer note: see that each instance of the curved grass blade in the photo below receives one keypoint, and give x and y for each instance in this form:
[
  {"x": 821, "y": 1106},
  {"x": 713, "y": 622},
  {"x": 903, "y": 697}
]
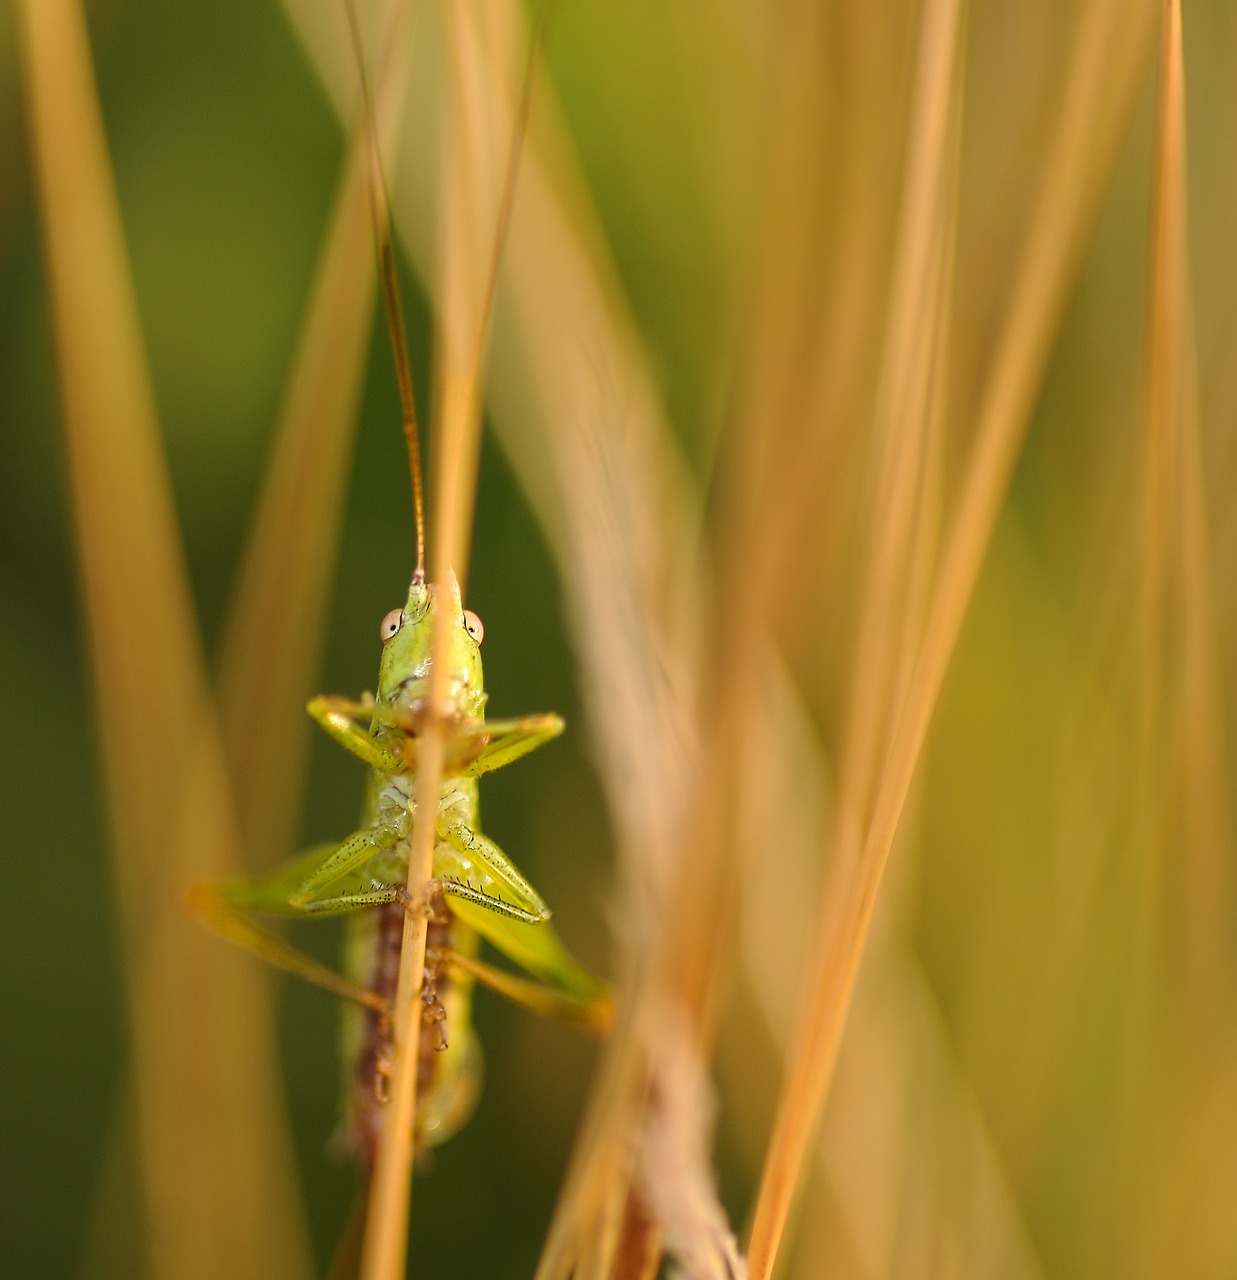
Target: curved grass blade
[
  {"x": 202, "y": 1041},
  {"x": 1055, "y": 238},
  {"x": 264, "y": 681}
]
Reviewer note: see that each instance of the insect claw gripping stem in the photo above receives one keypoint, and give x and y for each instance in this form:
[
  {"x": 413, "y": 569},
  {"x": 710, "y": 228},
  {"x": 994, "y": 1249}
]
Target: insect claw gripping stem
[
  {"x": 382, "y": 1079},
  {"x": 426, "y": 904},
  {"x": 433, "y": 1014}
]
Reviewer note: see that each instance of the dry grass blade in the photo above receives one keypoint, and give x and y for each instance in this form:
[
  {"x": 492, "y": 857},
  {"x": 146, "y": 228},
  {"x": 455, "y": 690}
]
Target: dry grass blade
[
  {"x": 1095, "y": 79},
  {"x": 903, "y": 427},
  {"x": 290, "y": 554},
  {"x": 385, "y": 1246},
  {"x": 457, "y": 440},
  {"x": 1187, "y": 833},
  {"x": 1181, "y": 681},
  {"x": 905, "y": 1158},
  {"x": 203, "y": 1049}
]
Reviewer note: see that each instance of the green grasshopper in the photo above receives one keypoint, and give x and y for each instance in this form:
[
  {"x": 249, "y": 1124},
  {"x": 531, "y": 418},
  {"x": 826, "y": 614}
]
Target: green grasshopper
[{"x": 476, "y": 892}]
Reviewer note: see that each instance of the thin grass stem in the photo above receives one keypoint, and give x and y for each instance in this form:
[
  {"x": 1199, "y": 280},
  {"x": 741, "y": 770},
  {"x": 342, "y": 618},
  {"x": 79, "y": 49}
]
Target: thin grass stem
[{"x": 1053, "y": 247}]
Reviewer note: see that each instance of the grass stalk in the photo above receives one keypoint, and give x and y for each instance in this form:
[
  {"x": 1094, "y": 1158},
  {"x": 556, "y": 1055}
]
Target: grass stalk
[
  {"x": 290, "y": 553},
  {"x": 201, "y": 1034},
  {"x": 458, "y": 439},
  {"x": 904, "y": 414},
  {"x": 1185, "y": 797},
  {"x": 1055, "y": 238},
  {"x": 1181, "y": 684}
]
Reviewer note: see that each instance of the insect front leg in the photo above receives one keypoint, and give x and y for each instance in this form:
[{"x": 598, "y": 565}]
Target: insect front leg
[
  {"x": 506, "y": 740},
  {"x": 471, "y": 866},
  {"x": 338, "y": 717},
  {"x": 474, "y": 747}
]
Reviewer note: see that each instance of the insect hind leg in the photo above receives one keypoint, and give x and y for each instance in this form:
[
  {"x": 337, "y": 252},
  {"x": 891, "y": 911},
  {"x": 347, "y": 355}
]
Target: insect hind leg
[
  {"x": 551, "y": 1002},
  {"x": 208, "y": 902}
]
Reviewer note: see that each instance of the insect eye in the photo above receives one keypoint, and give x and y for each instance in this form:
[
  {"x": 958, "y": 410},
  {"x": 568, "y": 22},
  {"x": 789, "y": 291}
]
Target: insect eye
[
  {"x": 391, "y": 624},
  {"x": 472, "y": 624}
]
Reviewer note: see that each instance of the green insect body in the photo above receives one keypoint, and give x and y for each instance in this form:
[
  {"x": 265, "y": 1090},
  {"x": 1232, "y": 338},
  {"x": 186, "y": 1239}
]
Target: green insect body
[{"x": 476, "y": 891}]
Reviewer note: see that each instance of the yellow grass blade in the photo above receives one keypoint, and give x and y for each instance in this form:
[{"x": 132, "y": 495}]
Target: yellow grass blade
[
  {"x": 284, "y": 583},
  {"x": 1187, "y": 837},
  {"x": 903, "y": 425},
  {"x": 216, "y": 1171},
  {"x": 467, "y": 295},
  {"x": 1055, "y": 236},
  {"x": 1179, "y": 610}
]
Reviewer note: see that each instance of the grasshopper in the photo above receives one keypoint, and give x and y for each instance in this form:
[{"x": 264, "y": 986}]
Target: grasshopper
[{"x": 475, "y": 892}]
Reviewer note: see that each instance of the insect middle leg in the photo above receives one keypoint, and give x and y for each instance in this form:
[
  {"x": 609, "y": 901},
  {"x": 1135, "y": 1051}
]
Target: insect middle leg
[{"x": 296, "y": 890}]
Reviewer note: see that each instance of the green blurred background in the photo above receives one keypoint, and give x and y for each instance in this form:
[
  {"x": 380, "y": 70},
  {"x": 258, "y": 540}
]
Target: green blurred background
[{"x": 226, "y": 156}]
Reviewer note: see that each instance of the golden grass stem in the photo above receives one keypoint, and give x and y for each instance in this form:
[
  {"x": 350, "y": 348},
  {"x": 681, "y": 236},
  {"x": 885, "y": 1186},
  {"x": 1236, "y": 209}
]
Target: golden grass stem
[
  {"x": 217, "y": 1176},
  {"x": 290, "y": 554},
  {"x": 1164, "y": 390},
  {"x": 1183, "y": 738},
  {"x": 385, "y": 1247},
  {"x": 1186, "y": 832},
  {"x": 386, "y": 1228},
  {"x": 458, "y": 437},
  {"x": 1053, "y": 246},
  {"x": 904, "y": 413}
]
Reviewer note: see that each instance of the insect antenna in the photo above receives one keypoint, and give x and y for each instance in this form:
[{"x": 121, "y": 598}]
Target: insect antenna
[{"x": 389, "y": 284}]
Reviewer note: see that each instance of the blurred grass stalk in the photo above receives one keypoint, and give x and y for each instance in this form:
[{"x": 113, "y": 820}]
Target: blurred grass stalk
[
  {"x": 216, "y": 1172},
  {"x": 470, "y": 264},
  {"x": 896, "y": 684},
  {"x": 1182, "y": 1007}
]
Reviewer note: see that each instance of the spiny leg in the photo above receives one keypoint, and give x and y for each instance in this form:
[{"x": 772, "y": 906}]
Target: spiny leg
[
  {"x": 349, "y": 855},
  {"x": 499, "y": 886}
]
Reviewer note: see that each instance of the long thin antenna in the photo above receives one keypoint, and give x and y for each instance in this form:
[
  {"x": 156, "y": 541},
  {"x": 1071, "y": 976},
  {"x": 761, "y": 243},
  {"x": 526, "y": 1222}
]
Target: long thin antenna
[
  {"x": 381, "y": 212},
  {"x": 386, "y": 1235}
]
